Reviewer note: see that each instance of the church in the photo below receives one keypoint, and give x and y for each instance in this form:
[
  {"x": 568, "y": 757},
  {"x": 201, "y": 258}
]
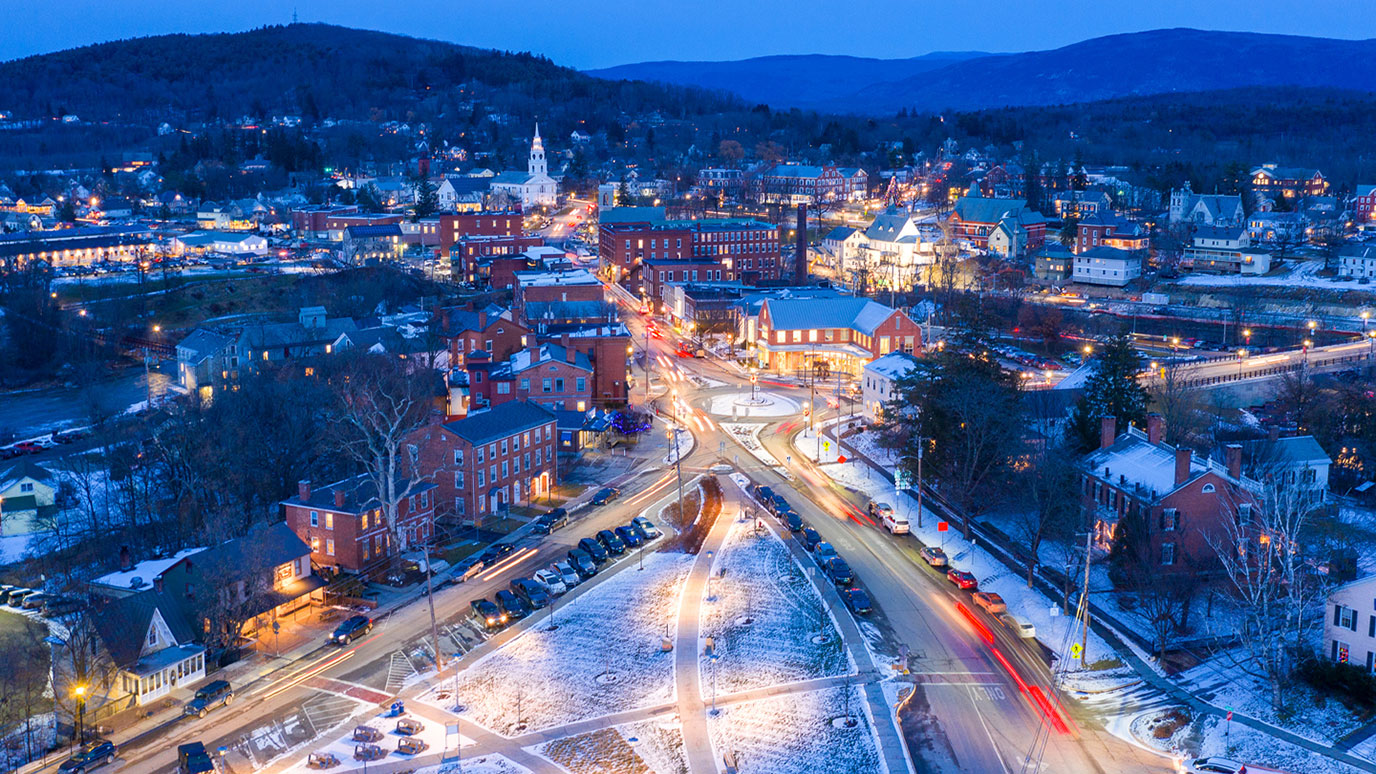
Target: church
[{"x": 534, "y": 187}]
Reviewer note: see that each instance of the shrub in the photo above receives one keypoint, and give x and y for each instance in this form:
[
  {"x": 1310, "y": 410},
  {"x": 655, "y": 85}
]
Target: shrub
[{"x": 1354, "y": 685}]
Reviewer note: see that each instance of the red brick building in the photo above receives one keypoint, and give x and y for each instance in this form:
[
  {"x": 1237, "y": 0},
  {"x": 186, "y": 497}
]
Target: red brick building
[
  {"x": 608, "y": 347},
  {"x": 807, "y": 184},
  {"x": 538, "y": 291},
  {"x": 490, "y": 459},
  {"x": 312, "y": 221},
  {"x": 847, "y": 333},
  {"x": 747, "y": 250},
  {"x": 472, "y": 259},
  {"x": 658, "y": 273},
  {"x": 556, "y": 376},
  {"x": 1187, "y": 504},
  {"x": 1111, "y": 231},
  {"x": 1364, "y": 204},
  {"x": 491, "y": 330},
  {"x": 344, "y": 526},
  {"x": 454, "y": 228}
]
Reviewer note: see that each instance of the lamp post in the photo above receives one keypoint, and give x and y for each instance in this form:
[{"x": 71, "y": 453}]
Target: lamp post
[
  {"x": 1247, "y": 337},
  {"x": 754, "y": 384},
  {"x": 79, "y": 691},
  {"x": 1241, "y": 356},
  {"x": 1307, "y": 344}
]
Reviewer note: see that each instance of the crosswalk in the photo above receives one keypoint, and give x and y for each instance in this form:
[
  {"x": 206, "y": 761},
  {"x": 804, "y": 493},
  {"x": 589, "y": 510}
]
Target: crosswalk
[
  {"x": 324, "y": 712},
  {"x": 399, "y": 668}
]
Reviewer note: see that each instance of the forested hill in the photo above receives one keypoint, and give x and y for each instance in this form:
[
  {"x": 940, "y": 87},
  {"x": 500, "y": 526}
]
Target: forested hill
[{"x": 313, "y": 70}]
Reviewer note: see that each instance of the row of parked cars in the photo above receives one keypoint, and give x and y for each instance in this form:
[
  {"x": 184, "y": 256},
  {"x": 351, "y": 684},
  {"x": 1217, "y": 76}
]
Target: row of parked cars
[
  {"x": 822, "y": 552},
  {"x": 526, "y": 595},
  {"x": 48, "y": 605},
  {"x": 990, "y": 601}
]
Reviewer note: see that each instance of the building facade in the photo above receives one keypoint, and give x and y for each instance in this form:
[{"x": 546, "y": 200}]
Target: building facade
[{"x": 344, "y": 526}]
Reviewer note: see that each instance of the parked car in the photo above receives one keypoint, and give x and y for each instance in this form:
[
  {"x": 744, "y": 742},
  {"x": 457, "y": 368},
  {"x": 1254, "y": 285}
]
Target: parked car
[
  {"x": 552, "y": 581},
  {"x": 582, "y": 563},
  {"x": 605, "y": 495},
  {"x": 36, "y": 601},
  {"x": 57, "y": 606},
  {"x": 895, "y": 523},
  {"x": 793, "y": 521},
  {"x": 531, "y": 593},
  {"x": 991, "y": 602},
  {"x": 1213, "y": 765},
  {"x": 857, "y": 600},
  {"x": 823, "y": 552},
  {"x": 214, "y": 694},
  {"x": 16, "y": 597},
  {"x": 91, "y": 756},
  {"x": 351, "y": 629},
  {"x": 878, "y": 509},
  {"x": 487, "y": 613},
  {"x": 614, "y": 545},
  {"x": 630, "y": 536},
  {"x": 778, "y": 505},
  {"x": 1020, "y": 626},
  {"x": 839, "y": 571},
  {"x": 492, "y": 553},
  {"x": 193, "y": 759},
  {"x": 962, "y": 579},
  {"x": 933, "y": 556},
  {"x": 763, "y": 493},
  {"x": 646, "y": 528},
  {"x": 511, "y": 605},
  {"x": 566, "y": 573},
  {"x": 594, "y": 549},
  {"x": 810, "y": 538}
]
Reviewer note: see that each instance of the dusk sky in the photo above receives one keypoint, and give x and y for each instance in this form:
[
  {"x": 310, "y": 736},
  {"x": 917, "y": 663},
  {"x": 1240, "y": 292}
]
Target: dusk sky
[{"x": 598, "y": 33}]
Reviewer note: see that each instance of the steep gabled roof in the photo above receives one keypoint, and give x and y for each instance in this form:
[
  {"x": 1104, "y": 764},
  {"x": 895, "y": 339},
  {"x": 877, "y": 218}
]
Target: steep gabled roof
[{"x": 859, "y": 314}]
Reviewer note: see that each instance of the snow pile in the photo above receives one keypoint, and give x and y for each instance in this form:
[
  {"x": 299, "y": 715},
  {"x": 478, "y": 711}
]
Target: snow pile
[
  {"x": 764, "y": 404},
  {"x": 748, "y": 436},
  {"x": 798, "y": 732},
  {"x": 682, "y": 446},
  {"x": 867, "y": 443},
  {"x": 604, "y": 656},
  {"x": 765, "y": 618}
]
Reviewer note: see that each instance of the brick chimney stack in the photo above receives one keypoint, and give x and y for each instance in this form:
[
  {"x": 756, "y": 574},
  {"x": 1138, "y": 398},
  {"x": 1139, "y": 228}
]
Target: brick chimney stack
[
  {"x": 1182, "y": 466},
  {"x": 1156, "y": 428},
  {"x": 800, "y": 267},
  {"x": 303, "y": 490},
  {"x": 1232, "y": 454},
  {"x": 1108, "y": 430},
  {"x": 482, "y": 321},
  {"x": 126, "y": 559},
  {"x": 339, "y": 498}
]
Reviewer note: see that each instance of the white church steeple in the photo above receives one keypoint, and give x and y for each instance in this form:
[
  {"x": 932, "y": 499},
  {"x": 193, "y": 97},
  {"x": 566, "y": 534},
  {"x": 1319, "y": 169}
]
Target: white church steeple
[{"x": 537, "y": 165}]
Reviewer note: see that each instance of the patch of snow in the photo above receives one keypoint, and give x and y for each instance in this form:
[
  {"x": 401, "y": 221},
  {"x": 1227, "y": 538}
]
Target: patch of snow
[
  {"x": 767, "y": 404},
  {"x": 748, "y": 436},
  {"x": 795, "y": 733},
  {"x": 682, "y": 446}
]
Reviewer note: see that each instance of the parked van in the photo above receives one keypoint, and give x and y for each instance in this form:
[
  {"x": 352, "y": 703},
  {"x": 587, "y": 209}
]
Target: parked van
[{"x": 1020, "y": 626}]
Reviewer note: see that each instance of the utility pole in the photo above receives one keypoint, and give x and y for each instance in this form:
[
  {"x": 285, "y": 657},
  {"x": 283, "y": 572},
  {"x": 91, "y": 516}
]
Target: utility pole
[
  {"x": 430, "y": 597},
  {"x": 1084, "y": 603},
  {"x": 646, "y": 355},
  {"x": 919, "y": 482}
]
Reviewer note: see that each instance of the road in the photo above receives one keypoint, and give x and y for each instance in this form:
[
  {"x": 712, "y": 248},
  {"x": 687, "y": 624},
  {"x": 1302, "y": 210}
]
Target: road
[
  {"x": 1233, "y": 368},
  {"x": 989, "y": 720}
]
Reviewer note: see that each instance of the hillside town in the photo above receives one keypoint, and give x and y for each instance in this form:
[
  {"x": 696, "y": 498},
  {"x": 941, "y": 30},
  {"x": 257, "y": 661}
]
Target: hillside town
[{"x": 950, "y": 458}]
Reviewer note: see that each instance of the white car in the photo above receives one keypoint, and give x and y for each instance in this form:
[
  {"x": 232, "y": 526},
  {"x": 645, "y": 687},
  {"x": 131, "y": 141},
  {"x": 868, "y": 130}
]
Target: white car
[
  {"x": 553, "y": 582},
  {"x": 1212, "y": 766},
  {"x": 646, "y": 527},
  {"x": 566, "y": 573}
]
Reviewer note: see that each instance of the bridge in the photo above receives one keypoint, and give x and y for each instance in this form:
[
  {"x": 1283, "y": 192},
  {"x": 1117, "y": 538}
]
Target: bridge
[{"x": 1256, "y": 370}]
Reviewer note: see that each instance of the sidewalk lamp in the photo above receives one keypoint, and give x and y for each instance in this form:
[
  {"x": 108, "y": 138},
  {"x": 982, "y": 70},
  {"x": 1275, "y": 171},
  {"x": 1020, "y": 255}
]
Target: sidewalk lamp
[
  {"x": 79, "y": 692},
  {"x": 1247, "y": 337},
  {"x": 754, "y": 384},
  {"x": 1307, "y": 344},
  {"x": 1241, "y": 356}
]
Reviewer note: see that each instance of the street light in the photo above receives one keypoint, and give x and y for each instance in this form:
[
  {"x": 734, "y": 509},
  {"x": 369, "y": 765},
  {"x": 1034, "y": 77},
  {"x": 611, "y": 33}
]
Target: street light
[
  {"x": 1247, "y": 336},
  {"x": 79, "y": 691},
  {"x": 1241, "y": 356}
]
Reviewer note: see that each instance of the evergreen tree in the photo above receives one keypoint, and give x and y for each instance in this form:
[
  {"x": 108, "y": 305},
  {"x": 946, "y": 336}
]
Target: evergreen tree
[
  {"x": 1070, "y": 228},
  {"x": 1113, "y": 391},
  {"x": 427, "y": 198}
]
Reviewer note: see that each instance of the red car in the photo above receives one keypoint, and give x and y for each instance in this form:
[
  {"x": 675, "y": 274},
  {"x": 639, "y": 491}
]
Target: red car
[
  {"x": 27, "y": 447},
  {"x": 684, "y": 353},
  {"x": 962, "y": 578}
]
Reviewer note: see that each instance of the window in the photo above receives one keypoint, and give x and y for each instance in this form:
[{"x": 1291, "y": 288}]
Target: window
[
  {"x": 547, "y": 430},
  {"x": 505, "y": 469},
  {"x": 315, "y": 518},
  {"x": 27, "y": 486},
  {"x": 1167, "y": 554},
  {"x": 458, "y": 456},
  {"x": 1345, "y": 617},
  {"x": 329, "y": 521},
  {"x": 458, "y": 479},
  {"x": 482, "y": 478},
  {"x": 1170, "y": 519},
  {"x": 492, "y": 450},
  {"x": 503, "y": 388},
  {"x": 492, "y": 473},
  {"x": 504, "y": 446},
  {"x": 1207, "y": 488},
  {"x": 480, "y": 456},
  {"x": 558, "y": 384},
  {"x": 545, "y": 385},
  {"x": 582, "y": 405}
]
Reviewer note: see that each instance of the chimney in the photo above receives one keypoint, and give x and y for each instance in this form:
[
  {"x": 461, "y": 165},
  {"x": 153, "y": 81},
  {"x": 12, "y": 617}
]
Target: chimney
[
  {"x": 1182, "y": 466},
  {"x": 339, "y": 498},
  {"x": 1108, "y": 430},
  {"x": 126, "y": 559},
  {"x": 1156, "y": 428},
  {"x": 482, "y": 321},
  {"x": 569, "y": 354},
  {"x": 1232, "y": 455},
  {"x": 800, "y": 267},
  {"x": 534, "y": 353},
  {"x": 157, "y": 584},
  {"x": 303, "y": 490}
]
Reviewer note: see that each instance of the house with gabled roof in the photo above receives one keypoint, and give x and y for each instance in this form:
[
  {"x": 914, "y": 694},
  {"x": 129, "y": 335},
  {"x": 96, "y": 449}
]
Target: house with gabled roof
[
  {"x": 345, "y": 529},
  {"x": 28, "y": 492},
  {"x": 794, "y": 334},
  {"x": 975, "y": 218}
]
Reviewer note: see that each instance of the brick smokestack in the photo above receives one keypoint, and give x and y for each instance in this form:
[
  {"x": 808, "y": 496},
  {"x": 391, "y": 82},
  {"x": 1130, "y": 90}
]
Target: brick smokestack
[
  {"x": 303, "y": 489},
  {"x": 1108, "y": 430},
  {"x": 1232, "y": 454},
  {"x": 1182, "y": 466},
  {"x": 126, "y": 559},
  {"x": 1156, "y": 428},
  {"x": 800, "y": 268},
  {"x": 339, "y": 498}
]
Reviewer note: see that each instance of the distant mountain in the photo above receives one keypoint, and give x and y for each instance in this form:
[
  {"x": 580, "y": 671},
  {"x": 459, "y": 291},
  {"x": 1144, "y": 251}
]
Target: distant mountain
[
  {"x": 804, "y": 80},
  {"x": 314, "y": 70},
  {"x": 1133, "y": 64}
]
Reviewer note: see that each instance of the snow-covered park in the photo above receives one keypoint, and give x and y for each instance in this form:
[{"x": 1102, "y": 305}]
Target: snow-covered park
[
  {"x": 827, "y": 730},
  {"x": 604, "y": 656}
]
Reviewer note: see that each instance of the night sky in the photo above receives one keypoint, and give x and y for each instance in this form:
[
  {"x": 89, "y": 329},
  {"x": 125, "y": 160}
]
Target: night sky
[{"x": 598, "y": 33}]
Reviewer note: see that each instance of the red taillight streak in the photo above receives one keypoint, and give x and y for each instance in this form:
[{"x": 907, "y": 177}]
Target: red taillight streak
[{"x": 983, "y": 630}]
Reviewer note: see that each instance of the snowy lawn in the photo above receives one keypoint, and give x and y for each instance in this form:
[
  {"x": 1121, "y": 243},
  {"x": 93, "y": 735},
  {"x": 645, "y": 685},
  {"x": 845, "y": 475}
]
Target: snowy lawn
[
  {"x": 798, "y": 732},
  {"x": 659, "y": 744},
  {"x": 739, "y": 405},
  {"x": 748, "y": 436},
  {"x": 483, "y": 764},
  {"x": 764, "y": 617},
  {"x": 643, "y": 748},
  {"x": 603, "y": 658}
]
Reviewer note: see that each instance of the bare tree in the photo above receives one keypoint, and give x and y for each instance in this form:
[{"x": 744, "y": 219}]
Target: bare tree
[
  {"x": 83, "y": 672},
  {"x": 1178, "y": 404},
  {"x": 1261, "y": 551},
  {"x": 1050, "y": 503}
]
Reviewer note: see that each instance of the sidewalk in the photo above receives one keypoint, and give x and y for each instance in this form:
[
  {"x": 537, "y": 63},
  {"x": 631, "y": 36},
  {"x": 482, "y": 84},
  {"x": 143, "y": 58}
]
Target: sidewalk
[{"x": 994, "y": 539}]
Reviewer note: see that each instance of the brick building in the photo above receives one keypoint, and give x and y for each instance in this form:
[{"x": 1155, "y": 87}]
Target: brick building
[
  {"x": 1276, "y": 182},
  {"x": 490, "y": 459},
  {"x": 556, "y": 376},
  {"x": 464, "y": 225},
  {"x": 1364, "y": 204},
  {"x": 808, "y": 184},
  {"x": 746, "y": 250},
  {"x": 975, "y": 218},
  {"x": 846, "y": 333},
  {"x": 313, "y": 221},
  {"x": 491, "y": 329},
  {"x": 1111, "y": 231},
  {"x": 471, "y": 258},
  {"x": 1186, "y": 503},
  {"x": 344, "y": 526}
]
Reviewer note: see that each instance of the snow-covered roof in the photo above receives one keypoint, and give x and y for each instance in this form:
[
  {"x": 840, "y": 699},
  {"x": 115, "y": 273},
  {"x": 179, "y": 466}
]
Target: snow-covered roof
[
  {"x": 893, "y": 365},
  {"x": 146, "y": 571},
  {"x": 1134, "y": 461}
]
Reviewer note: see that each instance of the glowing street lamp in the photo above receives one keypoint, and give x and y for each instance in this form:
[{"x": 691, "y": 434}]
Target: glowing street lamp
[
  {"x": 79, "y": 692},
  {"x": 1247, "y": 336}
]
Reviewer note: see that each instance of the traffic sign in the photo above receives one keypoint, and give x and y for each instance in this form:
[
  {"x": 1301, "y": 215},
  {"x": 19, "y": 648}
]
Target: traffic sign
[
  {"x": 941, "y": 526},
  {"x": 841, "y": 458}
]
